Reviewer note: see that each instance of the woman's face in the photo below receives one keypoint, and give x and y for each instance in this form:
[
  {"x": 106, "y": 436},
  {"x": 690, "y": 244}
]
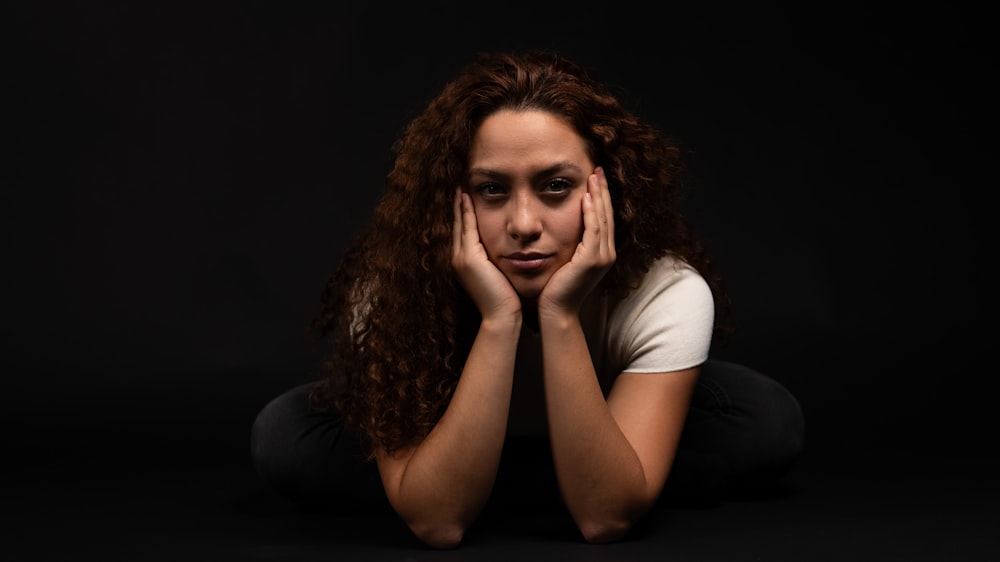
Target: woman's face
[{"x": 528, "y": 174}]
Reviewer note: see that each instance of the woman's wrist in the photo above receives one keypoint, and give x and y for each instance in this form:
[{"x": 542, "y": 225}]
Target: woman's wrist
[
  {"x": 502, "y": 321},
  {"x": 557, "y": 318}
]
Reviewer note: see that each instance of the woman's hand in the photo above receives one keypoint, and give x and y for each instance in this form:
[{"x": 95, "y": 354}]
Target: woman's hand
[
  {"x": 488, "y": 286},
  {"x": 595, "y": 254}
]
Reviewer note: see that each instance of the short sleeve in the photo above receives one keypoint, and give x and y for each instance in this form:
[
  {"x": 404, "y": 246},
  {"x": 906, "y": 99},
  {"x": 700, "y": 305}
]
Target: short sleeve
[{"x": 665, "y": 324}]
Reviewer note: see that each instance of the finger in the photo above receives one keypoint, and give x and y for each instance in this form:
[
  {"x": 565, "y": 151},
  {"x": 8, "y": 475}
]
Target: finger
[
  {"x": 591, "y": 220},
  {"x": 457, "y": 227},
  {"x": 608, "y": 209},
  {"x": 598, "y": 221},
  {"x": 471, "y": 227}
]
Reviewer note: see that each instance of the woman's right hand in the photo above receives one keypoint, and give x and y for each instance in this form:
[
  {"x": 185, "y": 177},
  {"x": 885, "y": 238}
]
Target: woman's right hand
[{"x": 486, "y": 284}]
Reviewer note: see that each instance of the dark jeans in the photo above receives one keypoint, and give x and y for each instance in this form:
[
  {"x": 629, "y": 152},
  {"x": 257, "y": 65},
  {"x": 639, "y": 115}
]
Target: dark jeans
[{"x": 743, "y": 432}]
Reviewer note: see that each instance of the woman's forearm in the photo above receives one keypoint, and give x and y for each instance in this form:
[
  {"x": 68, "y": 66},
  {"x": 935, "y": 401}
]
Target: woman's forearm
[
  {"x": 600, "y": 476},
  {"x": 447, "y": 479}
]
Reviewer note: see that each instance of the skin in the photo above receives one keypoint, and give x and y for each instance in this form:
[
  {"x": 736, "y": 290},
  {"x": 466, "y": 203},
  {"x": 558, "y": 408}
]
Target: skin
[{"x": 533, "y": 235}]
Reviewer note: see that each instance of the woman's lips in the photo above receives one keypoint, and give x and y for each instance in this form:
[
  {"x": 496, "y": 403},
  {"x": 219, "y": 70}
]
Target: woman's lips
[{"x": 527, "y": 262}]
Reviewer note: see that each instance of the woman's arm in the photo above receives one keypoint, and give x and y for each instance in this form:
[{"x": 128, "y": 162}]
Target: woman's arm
[
  {"x": 440, "y": 485},
  {"x": 612, "y": 457}
]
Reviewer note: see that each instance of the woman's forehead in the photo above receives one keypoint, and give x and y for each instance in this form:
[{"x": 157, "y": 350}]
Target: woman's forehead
[{"x": 525, "y": 138}]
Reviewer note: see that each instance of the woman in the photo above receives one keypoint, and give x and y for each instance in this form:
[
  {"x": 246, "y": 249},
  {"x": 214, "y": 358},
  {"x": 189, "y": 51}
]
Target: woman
[{"x": 528, "y": 316}]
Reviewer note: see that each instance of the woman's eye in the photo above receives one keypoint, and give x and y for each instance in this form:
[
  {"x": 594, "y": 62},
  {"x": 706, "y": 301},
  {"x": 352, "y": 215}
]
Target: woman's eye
[
  {"x": 558, "y": 185},
  {"x": 490, "y": 190}
]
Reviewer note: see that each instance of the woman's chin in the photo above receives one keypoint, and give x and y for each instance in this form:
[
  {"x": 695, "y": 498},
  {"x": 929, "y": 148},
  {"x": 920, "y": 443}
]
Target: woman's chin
[
  {"x": 529, "y": 291},
  {"x": 529, "y": 295}
]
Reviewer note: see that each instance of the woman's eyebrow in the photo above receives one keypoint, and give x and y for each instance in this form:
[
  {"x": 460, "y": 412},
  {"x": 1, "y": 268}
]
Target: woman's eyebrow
[
  {"x": 560, "y": 167},
  {"x": 565, "y": 166}
]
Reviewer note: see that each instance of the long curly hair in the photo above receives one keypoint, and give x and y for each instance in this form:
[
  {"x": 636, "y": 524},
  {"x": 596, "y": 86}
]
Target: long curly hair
[{"x": 398, "y": 323}]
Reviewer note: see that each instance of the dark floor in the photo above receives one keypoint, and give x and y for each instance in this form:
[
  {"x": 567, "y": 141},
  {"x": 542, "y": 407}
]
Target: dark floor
[{"x": 212, "y": 507}]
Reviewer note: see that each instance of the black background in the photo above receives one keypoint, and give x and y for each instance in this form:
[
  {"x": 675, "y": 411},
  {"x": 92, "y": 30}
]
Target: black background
[{"x": 182, "y": 179}]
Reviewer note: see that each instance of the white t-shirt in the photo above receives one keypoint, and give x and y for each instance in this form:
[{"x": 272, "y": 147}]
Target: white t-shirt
[{"x": 663, "y": 325}]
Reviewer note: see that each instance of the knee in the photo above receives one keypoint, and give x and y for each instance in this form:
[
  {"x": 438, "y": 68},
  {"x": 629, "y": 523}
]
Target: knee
[
  {"x": 777, "y": 433},
  {"x": 272, "y": 434},
  {"x": 764, "y": 420},
  {"x": 263, "y": 439},
  {"x": 782, "y": 423}
]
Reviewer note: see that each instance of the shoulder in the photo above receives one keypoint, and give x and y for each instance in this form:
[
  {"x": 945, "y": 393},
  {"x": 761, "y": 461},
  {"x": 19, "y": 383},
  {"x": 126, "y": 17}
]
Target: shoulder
[
  {"x": 670, "y": 277},
  {"x": 665, "y": 323}
]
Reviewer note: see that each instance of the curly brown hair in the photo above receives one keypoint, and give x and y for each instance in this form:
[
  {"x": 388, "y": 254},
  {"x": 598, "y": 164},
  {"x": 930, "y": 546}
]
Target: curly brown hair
[{"x": 399, "y": 324}]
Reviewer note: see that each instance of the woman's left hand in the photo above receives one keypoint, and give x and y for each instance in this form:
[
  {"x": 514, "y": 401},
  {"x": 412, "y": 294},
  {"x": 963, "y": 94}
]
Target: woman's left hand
[{"x": 594, "y": 256}]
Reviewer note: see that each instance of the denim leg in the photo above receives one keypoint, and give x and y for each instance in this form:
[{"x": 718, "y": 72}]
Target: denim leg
[
  {"x": 743, "y": 432},
  {"x": 310, "y": 457}
]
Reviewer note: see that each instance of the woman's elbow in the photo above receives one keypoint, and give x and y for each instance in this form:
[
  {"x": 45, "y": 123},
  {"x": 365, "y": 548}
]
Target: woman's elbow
[
  {"x": 609, "y": 526},
  {"x": 438, "y": 536},
  {"x": 605, "y": 530}
]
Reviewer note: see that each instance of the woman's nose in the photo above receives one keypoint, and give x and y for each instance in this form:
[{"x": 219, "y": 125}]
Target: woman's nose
[{"x": 524, "y": 222}]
